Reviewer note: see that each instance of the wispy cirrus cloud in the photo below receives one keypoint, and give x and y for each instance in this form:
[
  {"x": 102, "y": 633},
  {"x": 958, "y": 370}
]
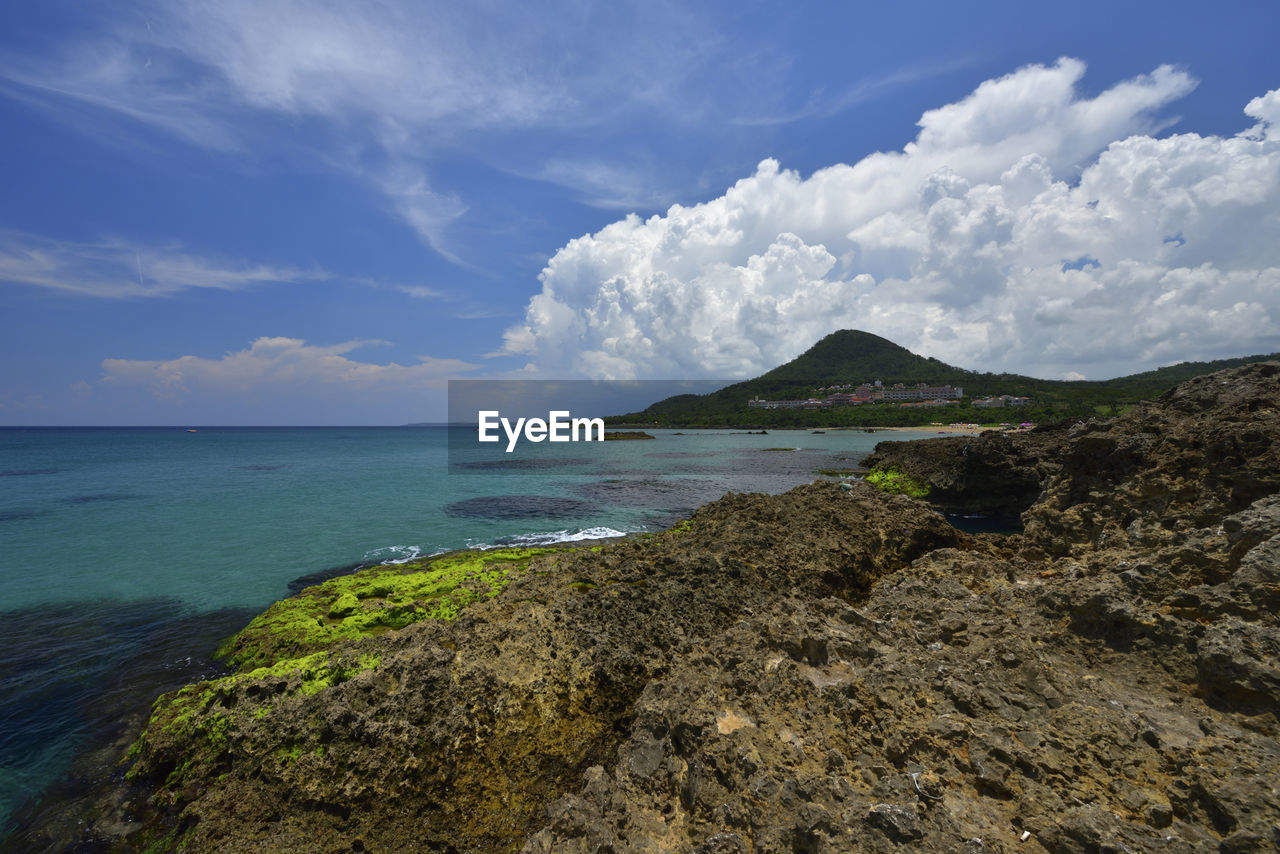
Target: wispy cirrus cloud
[
  {"x": 429, "y": 213},
  {"x": 610, "y": 184},
  {"x": 115, "y": 269},
  {"x": 380, "y": 90},
  {"x": 103, "y": 80},
  {"x": 422, "y": 292},
  {"x": 821, "y": 104}
]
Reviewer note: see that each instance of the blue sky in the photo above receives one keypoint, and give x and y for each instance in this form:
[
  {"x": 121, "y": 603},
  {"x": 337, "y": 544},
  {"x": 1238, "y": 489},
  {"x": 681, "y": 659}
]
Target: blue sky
[{"x": 317, "y": 213}]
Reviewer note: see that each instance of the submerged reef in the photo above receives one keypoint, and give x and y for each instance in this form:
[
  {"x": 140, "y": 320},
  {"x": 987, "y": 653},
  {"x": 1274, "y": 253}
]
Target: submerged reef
[{"x": 825, "y": 670}]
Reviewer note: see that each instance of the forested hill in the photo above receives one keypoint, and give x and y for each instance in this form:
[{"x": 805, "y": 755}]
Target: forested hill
[{"x": 851, "y": 356}]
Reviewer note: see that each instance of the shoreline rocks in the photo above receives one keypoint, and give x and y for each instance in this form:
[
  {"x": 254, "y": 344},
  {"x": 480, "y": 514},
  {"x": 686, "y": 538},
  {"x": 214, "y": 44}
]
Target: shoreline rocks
[
  {"x": 993, "y": 473},
  {"x": 825, "y": 670}
]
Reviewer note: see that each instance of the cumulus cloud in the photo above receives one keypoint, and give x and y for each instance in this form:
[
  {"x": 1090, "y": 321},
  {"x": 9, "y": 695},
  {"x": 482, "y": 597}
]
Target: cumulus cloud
[
  {"x": 1266, "y": 109},
  {"x": 1025, "y": 228},
  {"x": 115, "y": 270},
  {"x": 278, "y": 365}
]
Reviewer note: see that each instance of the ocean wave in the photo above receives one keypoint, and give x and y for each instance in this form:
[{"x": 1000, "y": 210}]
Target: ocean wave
[
  {"x": 394, "y": 554},
  {"x": 550, "y": 538}
]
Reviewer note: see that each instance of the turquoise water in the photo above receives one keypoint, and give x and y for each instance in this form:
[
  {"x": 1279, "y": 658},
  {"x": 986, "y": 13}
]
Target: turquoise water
[{"x": 128, "y": 552}]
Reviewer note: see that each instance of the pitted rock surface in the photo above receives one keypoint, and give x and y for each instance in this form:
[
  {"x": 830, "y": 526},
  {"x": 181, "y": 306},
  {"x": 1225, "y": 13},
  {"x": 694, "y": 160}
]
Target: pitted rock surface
[{"x": 821, "y": 671}]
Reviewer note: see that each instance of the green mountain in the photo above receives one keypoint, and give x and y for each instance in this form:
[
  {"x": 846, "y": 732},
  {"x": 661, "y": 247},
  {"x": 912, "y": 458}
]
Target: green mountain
[{"x": 852, "y": 357}]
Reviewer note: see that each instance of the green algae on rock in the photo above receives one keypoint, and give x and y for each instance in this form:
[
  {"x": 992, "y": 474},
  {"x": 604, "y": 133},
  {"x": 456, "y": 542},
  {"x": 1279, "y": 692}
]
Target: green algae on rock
[
  {"x": 204, "y": 716},
  {"x": 895, "y": 480},
  {"x": 371, "y": 601},
  {"x": 457, "y": 734},
  {"x": 296, "y": 649}
]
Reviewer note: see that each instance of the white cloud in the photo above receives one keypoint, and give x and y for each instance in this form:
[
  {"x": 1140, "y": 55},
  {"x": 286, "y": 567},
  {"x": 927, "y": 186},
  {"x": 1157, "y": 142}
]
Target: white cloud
[
  {"x": 383, "y": 90},
  {"x": 1266, "y": 109},
  {"x": 116, "y": 270},
  {"x": 407, "y": 63},
  {"x": 421, "y": 292},
  {"x": 607, "y": 184},
  {"x": 823, "y": 104},
  {"x": 427, "y": 212},
  {"x": 28, "y": 403},
  {"x": 181, "y": 66},
  {"x": 271, "y": 366},
  {"x": 1025, "y": 228}
]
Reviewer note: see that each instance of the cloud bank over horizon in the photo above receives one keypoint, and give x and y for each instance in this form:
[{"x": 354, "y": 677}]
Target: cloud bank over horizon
[
  {"x": 285, "y": 378},
  {"x": 1026, "y": 228}
]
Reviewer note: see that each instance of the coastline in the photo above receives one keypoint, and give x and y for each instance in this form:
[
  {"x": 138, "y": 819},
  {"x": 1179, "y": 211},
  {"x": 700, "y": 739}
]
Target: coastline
[
  {"x": 943, "y": 429},
  {"x": 762, "y": 676},
  {"x": 646, "y": 689},
  {"x": 263, "y": 461}
]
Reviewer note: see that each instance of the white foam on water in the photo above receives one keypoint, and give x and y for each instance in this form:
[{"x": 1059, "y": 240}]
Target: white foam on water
[
  {"x": 394, "y": 554},
  {"x": 550, "y": 538}
]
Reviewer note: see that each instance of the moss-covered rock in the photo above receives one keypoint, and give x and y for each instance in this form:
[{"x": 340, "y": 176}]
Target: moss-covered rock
[
  {"x": 299, "y": 647},
  {"x": 895, "y": 480},
  {"x": 372, "y": 601},
  {"x": 994, "y": 473},
  {"x": 832, "y": 669},
  {"x": 457, "y": 734}
]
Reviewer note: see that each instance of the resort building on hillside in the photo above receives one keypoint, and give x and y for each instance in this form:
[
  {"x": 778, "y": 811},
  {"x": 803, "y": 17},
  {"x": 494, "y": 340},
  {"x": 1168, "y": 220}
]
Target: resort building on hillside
[
  {"x": 1002, "y": 400},
  {"x": 921, "y": 393},
  {"x": 811, "y": 403},
  {"x": 898, "y": 391}
]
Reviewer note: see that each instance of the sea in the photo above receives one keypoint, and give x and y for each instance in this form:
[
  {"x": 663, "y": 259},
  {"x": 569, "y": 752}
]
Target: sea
[{"x": 127, "y": 554}]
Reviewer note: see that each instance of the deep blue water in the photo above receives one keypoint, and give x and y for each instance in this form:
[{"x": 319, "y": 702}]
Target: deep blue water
[{"x": 127, "y": 552}]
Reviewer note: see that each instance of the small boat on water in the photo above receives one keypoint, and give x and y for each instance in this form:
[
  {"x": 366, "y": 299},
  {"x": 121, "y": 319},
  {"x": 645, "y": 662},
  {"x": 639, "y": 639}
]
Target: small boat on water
[{"x": 192, "y": 430}]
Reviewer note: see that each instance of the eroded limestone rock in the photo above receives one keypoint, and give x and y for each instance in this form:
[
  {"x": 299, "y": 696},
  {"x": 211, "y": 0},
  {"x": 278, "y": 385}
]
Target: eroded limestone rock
[{"x": 828, "y": 670}]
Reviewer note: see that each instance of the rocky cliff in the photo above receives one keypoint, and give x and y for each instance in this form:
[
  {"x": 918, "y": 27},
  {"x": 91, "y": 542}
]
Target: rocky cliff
[
  {"x": 995, "y": 473},
  {"x": 826, "y": 670}
]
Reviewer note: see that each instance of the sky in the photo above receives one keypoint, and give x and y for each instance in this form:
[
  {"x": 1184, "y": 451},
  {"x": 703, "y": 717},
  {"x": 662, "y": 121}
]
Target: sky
[{"x": 320, "y": 212}]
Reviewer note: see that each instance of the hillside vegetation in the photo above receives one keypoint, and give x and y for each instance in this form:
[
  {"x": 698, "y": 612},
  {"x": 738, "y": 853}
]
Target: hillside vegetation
[{"x": 852, "y": 357}]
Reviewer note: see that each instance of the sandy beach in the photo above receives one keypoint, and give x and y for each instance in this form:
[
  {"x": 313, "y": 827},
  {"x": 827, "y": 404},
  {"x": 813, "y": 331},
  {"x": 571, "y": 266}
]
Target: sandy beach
[{"x": 944, "y": 429}]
